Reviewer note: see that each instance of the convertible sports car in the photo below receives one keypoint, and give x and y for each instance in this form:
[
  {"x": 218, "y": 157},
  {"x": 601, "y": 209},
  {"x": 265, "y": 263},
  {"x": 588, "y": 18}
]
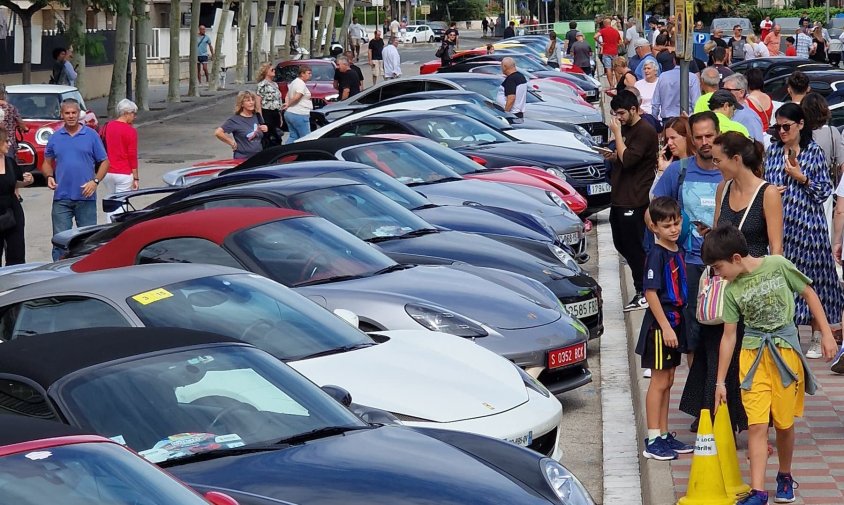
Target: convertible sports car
[
  {"x": 49, "y": 300},
  {"x": 403, "y": 236},
  {"x": 548, "y": 109},
  {"x": 223, "y": 415},
  {"x": 47, "y": 462},
  {"x": 486, "y": 146}
]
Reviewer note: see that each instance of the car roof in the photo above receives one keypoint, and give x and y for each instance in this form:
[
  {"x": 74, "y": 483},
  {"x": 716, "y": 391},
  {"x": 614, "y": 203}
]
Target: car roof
[
  {"x": 310, "y": 63},
  {"x": 15, "y": 429},
  {"x": 328, "y": 145},
  {"x": 39, "y": 88},
  {"x": 120, "y": 283},
  {"x": 210, "y": 224},
  {"x": 47, "y": 357}
]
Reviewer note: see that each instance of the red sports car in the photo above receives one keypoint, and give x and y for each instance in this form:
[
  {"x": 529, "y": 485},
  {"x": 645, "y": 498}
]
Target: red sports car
[
  {"x": 39, "y": 105},
  {"x": 321, "y": 83},
  {"x": 48, "y": 462}
]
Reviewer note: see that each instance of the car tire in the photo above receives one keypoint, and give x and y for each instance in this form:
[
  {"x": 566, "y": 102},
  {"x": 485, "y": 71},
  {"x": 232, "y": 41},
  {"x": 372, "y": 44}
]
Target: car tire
[
  {"x": 413, "y": 40},
  {"x": 430, "y": 39}
]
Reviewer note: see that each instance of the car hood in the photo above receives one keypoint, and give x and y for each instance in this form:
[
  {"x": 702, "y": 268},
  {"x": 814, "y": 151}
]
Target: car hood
[
  {"x": 549, "y": 137},
  {"x": 481, "y": 220},
  {"x": 428, "y": 375},
  {"x": 475, "y": 250},
  {"x": 495, "y": 298},
  {"x": 529, "y": 153},
  {"x": 558, "y": 110},
  {"x": 384, "y": 466}
]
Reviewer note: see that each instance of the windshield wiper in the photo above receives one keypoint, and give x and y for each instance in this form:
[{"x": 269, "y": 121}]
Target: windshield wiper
[
  {"x": 444, "y": 179},
  {"x": 427, "y": 206},
  {"x": 220, "y": 453},
  {"x": 319, "y": 433},
  {"x": 336, "y": 350},
  {"x": 384, "y": 238},
  {"x": 335, "y": 278},
  {"x": 392, "y": 268},
  {"x": 419, "y": 232}
]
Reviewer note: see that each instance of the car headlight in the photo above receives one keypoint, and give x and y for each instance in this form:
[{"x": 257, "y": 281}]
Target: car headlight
[
  {"x": 444, "y": 321},
  {"x": 594, "y": 81},
  {"x": 564, "y": 257},
  {"x": 532, "y": 382},
  {"x": 329, "y": 98},
  {"x": 581, "y": 130},
  {"x": 585, "y": 139},
  {"x": 566, "y": 486},
  {"x": 43, "y": 135},
  {"x": 559, "y": 202},
  {"x": 556, "y": 171}
]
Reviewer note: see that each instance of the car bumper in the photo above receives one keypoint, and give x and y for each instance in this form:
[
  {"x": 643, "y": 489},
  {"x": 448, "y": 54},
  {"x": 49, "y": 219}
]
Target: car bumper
[
  {"x": 578, "y": 295},
  {"x": 535, "y": 424}
]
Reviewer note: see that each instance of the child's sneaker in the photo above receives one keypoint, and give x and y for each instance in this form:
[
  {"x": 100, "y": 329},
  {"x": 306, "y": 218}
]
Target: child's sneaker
[
  {"x": 815, "y": 351},
  {"x": 638, "y": 302},
  {"x": 659, "y": 450},
  {"x": 785, "y": 488},
  {"x": 754, "y": 498},
  {"x": 646, "y": 373},
  {"x": 838, "y": 363},
  {"x": 677, "y": 446}
]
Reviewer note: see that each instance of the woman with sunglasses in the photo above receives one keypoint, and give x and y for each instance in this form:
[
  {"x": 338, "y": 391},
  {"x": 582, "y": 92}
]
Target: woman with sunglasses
[{"x": 797, "y": 166}]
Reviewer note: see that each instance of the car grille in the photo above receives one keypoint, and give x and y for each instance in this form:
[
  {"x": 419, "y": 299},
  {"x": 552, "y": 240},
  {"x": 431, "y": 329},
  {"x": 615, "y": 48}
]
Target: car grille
[
  {"x": 545, "y": 443},
  {"x": 583, "y": 174},
  {"x": 597, "y": 129}
]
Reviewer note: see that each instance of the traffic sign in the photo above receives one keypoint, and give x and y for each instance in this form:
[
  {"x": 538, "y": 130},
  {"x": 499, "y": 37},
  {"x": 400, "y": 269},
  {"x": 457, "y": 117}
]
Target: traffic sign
[
  {"x": 640, "y": 13},
  {"x": 690, "y": 30},
  {"x": 378, "y": 3},
  {"x": 680, "y": 28},
  {"x": 425, "y": 9}
]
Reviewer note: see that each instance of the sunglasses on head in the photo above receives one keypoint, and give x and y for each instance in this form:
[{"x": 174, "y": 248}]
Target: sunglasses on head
[{"x": 784, "y": 127}]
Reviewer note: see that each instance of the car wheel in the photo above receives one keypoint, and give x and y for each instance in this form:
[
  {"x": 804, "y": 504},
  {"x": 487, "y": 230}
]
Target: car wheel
[
  {"x": 430, "y": 39},
  {"x": 414, "y": 40}
]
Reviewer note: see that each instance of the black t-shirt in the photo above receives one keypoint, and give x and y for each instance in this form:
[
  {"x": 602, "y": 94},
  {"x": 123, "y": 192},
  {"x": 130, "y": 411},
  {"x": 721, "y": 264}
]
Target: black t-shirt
[
  {"x": 514, "y": 84},
  {"x": 376, "y": 46},
  {"x": 348, "y": 80},
  {"x": 633, "y": 176},
  {"x": 720, "y": 43},
  {"x": 666, "y": 61},
  {"x": 357, "y": 71},
  {"x": 571, "y": 37},
  {"x": 509, "y": 32}
]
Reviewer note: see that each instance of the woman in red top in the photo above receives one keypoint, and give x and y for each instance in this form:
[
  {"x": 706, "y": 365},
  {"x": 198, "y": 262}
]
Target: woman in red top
[
  {"x": 121, "y": 143},
  {"x": 758, "y": 101}
]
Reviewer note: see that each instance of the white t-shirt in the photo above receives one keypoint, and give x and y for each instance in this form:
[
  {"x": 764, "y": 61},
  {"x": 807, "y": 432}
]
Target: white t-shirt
[
  {"x": 631, "y": 34},
  {"x": 394, "y": 27},
  {"x": 356, "y": 31},
  {"x": 646, "y": 89},
  {"x": 304, "y": 106}
]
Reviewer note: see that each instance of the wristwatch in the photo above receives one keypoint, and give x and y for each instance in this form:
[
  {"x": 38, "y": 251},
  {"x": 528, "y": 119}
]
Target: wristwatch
[{"x": 96, "y": 181}]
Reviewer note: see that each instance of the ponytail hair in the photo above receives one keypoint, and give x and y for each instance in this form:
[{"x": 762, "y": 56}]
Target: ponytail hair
[{"x": 752, "y": 153}]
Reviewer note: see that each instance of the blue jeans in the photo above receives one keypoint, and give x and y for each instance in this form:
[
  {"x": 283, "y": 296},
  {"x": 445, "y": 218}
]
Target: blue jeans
[
  {"x": 66, "y": 211},
  {"x": 298, "y": 125}
]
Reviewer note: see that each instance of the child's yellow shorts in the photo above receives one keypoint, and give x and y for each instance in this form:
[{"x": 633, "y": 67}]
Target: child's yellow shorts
[{"x": 767, "y": 396}]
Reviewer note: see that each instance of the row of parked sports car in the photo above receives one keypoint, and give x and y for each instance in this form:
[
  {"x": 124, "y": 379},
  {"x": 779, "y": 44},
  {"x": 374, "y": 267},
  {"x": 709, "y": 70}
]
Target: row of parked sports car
[{"x": 365, "y": 316}]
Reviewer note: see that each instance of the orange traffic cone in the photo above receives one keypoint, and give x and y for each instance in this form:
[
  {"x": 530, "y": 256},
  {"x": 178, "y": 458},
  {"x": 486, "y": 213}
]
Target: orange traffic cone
[
  {"x": 706, "y": 484},
  {"x": 726, "y": 444}
]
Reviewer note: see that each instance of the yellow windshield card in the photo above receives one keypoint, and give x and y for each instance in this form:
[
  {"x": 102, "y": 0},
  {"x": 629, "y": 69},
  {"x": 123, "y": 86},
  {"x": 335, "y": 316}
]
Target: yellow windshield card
[{"x": 154, "y": 295}]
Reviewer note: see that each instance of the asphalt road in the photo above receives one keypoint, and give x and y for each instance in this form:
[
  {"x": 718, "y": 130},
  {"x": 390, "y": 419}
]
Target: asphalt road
[{"x": 189, "y": 138}]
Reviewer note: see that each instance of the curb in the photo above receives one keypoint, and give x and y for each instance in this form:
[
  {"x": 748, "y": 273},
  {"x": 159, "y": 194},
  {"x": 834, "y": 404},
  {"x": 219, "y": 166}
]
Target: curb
[
  {"x": 185, "y": 107},
  {"x": 621, "y": 468}
]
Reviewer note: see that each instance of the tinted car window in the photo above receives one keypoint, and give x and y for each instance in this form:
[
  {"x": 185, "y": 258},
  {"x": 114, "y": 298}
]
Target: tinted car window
[
  {"x": 372, "y": 128},
  {"x": 186, "y": 250},
  {"x": 234, "y": 202},
  {"x": 57, "y": 313},
  {"x": 456, "y": 131},
  {"x": 401, "y": 88},
  {"x": 837, "y": 117},
  {"x": 373, "y": 96},
  {"x": 401, "y": 160},
  {"x": 287, "y": 73}
]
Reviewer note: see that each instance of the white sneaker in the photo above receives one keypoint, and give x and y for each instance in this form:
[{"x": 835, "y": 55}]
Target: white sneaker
[
  {"x": 646, "y": 373},
  {"x": 814, "y": 351}
]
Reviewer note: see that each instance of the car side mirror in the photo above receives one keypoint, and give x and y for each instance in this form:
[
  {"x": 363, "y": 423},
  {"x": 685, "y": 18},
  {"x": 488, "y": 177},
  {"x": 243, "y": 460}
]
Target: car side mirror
[
  {"x": 218, "y": 498},
  {"x": 348, "y": 316},
  {"x": 341, "y": 395}
]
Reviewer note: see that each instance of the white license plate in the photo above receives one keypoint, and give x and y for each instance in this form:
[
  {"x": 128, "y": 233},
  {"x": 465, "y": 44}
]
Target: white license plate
[
  {"x": 569, "y": 238},
  {"x": 582, "y": 309},
  {"x": 523, "y": 440},
  {"x": 597, "y": 139},
  {"x": 597, "y": 189},
  {"x": 591, "y": 92}
]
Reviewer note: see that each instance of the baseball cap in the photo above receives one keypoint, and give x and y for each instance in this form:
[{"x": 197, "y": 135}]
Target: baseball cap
[
  {"x": 640, "y": 42},
  {"x": 722, "y": 96}
]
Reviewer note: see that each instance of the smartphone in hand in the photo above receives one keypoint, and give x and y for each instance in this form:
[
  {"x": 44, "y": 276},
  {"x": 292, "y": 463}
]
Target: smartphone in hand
[
  {"x": 603, "y": 151},
  {"x": 792, "y": 155}
]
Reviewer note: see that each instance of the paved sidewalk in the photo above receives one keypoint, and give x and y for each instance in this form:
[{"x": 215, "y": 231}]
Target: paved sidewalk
[{"x": 818, "y": 464}]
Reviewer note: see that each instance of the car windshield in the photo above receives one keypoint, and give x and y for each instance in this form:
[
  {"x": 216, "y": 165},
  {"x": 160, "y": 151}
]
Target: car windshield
[
  {"x": 43, "y": 105},
  {"x": 478, "y": 113},
  {"x": 411, "y": 29},
  {"x": 360, "y": 210},
  {"x": 386, "y": 185},
  {"x": 87, "y": 474},
  {"x": 452, "y": 159},
  {"x": 254, "y": 309},
  {"x": 487, "y": 87},
  {"x": 197, "y": 400},
  {"x": 309, "y": 250},
  {"x": 456, "y": 131},
  {"x": 402, "y": 161},
  {"x": 321, "y": 73}
]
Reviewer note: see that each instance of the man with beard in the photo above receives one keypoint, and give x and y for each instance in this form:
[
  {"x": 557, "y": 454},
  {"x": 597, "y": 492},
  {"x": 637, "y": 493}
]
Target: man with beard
[
  {"x": 633, "y": 167},
  {"x": 693, "y": 182}
]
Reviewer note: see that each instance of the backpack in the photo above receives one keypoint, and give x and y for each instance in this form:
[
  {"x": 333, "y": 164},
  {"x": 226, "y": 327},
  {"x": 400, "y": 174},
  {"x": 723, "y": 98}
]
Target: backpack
[{"x": 440, "y": 52}]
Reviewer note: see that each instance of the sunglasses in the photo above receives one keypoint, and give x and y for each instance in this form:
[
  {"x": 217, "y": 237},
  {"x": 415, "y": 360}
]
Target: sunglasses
[{"x": 784, "y": 127}]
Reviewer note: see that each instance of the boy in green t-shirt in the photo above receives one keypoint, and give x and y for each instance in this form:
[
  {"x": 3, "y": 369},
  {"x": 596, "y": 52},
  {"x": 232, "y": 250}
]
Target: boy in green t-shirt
[{"x": 773, "y": 372}]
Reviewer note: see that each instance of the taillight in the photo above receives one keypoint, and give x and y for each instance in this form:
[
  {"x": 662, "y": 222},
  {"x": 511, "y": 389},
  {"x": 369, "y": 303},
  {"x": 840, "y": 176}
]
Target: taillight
[{"x": 477, "y": 159}]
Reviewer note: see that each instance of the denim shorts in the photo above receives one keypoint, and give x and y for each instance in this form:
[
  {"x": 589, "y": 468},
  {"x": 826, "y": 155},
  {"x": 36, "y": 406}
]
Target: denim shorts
[{"x": 607, "y": 61}]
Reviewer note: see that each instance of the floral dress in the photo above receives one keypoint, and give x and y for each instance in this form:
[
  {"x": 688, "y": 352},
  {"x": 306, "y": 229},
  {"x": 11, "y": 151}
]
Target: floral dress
[
  {"x": 805, "y": 233},
  {"x": 270, "y": 95}
]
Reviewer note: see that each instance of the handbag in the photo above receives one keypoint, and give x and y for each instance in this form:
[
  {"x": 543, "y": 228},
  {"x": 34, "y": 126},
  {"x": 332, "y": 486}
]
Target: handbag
[
  {"x": 712, "y": 288},
  {"x": 7, "y": 220}
]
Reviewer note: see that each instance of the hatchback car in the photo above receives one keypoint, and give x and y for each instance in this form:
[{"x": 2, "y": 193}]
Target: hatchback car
[{"x": 417, "y": 33}]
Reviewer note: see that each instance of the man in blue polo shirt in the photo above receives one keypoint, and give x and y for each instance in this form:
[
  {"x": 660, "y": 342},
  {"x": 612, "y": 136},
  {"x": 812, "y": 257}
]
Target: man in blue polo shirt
[{"x": 75, "y": 149}]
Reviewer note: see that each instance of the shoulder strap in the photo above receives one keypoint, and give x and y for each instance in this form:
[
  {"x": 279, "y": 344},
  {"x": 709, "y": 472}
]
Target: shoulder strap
[
  {"x": 750, "y": 204},
  {"x": 681, "y": 177}
]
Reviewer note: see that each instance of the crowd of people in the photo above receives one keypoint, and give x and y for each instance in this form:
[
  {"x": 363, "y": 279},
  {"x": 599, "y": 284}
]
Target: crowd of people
[{"x": 737, "y": 191}]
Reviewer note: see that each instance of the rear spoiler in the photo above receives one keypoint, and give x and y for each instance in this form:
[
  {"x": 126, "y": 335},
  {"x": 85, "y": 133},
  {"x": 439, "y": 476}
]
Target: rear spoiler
[
  {"x": 191, "y": 175},
  {"x": 73, "y": 238},
  {"x": 123, "y": 200}
]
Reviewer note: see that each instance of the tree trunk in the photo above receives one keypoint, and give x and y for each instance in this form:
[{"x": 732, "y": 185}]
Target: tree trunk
[
  {"x": 121, "y": 58},
  {"x": 193, "y": 85},
  {"x": 348, "y": 13},
  {"x": 242, "y": 32},
  {"x": 175, "y": 71},
  {"x": 26, "y": 70},
  {"x": 258, "y": 38},
  {"x": 141, "y": 44},
  {"x": 273, "y": 54},
  {"x": 306, "y": 39},
  {"x": 290, "y": 23},
  {"x": 329, "y": 29},
  {"x": 220, "y": 32},
  {"x": 76, "y": 35},
  {"x": 321, "y": 28}
]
